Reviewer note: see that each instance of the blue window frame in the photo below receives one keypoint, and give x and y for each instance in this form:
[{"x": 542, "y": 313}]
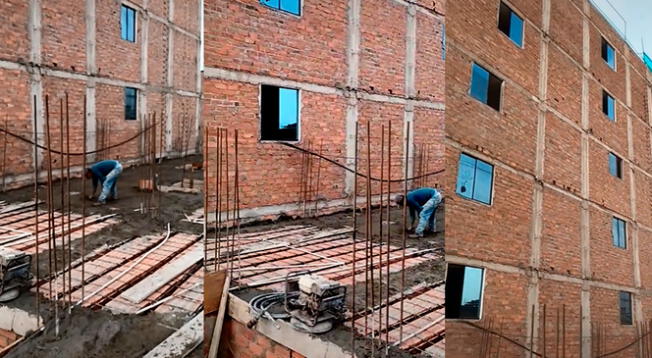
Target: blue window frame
[
  {"x": 618, "y": 233},
  {"x": 625, "y": 303},
  {"x": 608, "y": 54},
  {"x": 131, "y": 103},
  {"x": 615, "y": 166},
  {"x": 608, "y": 105},
  {"x": 127, "y": 23},
  {"x": 464, "y": 285},
  {"x": 485, "y": 87},
  {"x": 290, "y": 6},
  {"x": 510, "y": 24},
  {"x": 279, "y": 113},
  {"x": 474, "y": 179}
]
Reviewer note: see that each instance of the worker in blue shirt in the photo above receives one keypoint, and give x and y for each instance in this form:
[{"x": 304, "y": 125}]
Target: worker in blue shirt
[
  {"x": 422, "y": 202},
  {"x": 105, "y": 173}
]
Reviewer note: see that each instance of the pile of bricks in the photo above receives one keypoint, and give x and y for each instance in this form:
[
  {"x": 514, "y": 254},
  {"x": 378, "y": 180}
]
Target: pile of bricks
[
  {"x": 17, "y": 226},
  {"x": 168, "y": 271},
  {"x": 7, "y": 338}
]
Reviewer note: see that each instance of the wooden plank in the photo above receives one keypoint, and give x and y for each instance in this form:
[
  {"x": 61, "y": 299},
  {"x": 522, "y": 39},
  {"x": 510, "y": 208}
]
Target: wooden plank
[
  {"x": 217, "y": 331},
  {"x": 162, "y": 276}
]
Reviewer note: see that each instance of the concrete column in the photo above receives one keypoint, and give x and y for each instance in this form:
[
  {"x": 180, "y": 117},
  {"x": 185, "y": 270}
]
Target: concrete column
[
  {"x": 352, "y": 81},
  {"x": 36, "y": 86},
  {"x": 585, "y": 228},
  {"x": 537, "y": 190},
  {"x": 169, "y": 80},
  {"x": 91, "y": 70},
  {"x": 410, "y": 86}
]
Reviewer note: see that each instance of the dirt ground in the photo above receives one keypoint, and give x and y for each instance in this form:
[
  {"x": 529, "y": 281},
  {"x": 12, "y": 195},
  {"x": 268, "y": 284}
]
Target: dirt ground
[{"x": 101, "y": 334}]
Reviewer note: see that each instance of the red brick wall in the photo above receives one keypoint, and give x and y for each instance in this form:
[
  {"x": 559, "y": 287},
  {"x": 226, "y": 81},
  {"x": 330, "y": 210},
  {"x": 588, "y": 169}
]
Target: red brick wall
[
  {"x": 239, "y": 341},
  {"x": 502, "y": 233},
  {"x": 248, "y": 38},
  {"x": 118, "y": 64}
]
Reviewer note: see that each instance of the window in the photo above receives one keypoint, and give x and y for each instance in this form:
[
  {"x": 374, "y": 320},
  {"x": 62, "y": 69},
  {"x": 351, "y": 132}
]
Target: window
[
  {"x": 131, "y": 103},
  {"x": 618, "y": 233},
  {"x": 511, "y": 24},
  {"x": 464, "y": 291},
  {"x": 474, "y": 179},
  {"x": 279, "y": 113},
  {"x": 608, "y": 105},
  {"x": 485, "y": 87},
  {"x": 127, "y": 23},
  {"x": 615, "y": 166},
  {"x": 608, "y": 54},
  {"x": 625, "y": 302},
  {"x": 291, "y": 6}
]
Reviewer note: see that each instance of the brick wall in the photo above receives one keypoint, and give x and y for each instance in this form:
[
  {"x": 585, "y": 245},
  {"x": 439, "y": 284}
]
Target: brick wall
[
  {"x": 545, "y": 241},
  {"x": 248, "y": 44},
  {"x": 239, "y": 341},
  {"x": 69, "y": 59}
]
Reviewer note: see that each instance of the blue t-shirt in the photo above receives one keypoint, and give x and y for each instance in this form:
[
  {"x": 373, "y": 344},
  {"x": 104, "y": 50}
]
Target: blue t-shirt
[
  {"x": 101, "y": 169},
  {"x": 418, "y": 197}
]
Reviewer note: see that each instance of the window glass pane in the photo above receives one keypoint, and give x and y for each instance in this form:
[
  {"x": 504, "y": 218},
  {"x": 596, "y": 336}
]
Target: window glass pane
[
  {"x": 483, "y": 179},
  {"x": 471, "y": 293},
  {"x": 516, "y": 29},
  {"x": 613, "y": 165},
  {"x": 465, "y": 176},
  {"x": 288, "y": 107},
  {"x": 292, "y": 6},
  {"x": 610, "y": 107},
  {"x": 614, "y": 231},
  {"x": 504, "y": 18},
  {"x": 270, "y": 3},
  {"x": 132, "y": 25},
  {"x": 123, "y": 23},
  {"x": 479, "y": 83},
  {"x": 625, "y": 302},
  {"x": 621, "y": 234}
]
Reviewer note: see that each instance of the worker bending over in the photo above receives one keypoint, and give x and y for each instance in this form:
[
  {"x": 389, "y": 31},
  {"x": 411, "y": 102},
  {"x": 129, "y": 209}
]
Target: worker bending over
[
  {"x": 422, "y": 202},
  {"x": 105, "y": 173}
]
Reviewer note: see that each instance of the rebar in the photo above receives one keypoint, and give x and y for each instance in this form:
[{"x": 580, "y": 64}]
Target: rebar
[
  {"x": 389, "y": 190},
  {"x": 36, "y": 205},
  {"x": 404, "y": 243},
  {"x": 4, "y": 156},
  {"x": 69, "y": 213},
  {"x": 355, "y": 231},
  {"x": 63, "y": 200},
  {"x": 83, "y": 199}
]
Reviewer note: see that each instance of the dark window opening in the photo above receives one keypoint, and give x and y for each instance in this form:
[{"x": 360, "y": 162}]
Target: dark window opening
[
  {"x": 615, "y": 166},
  {"x": 625, "y": 303},
  {"x": 485, "y": 87},
  {"x": 608, "y": 105},
  {"x": 474, "y": 179},
  {"x": 279, "y": 113},
  {"x": 618, "y": 233},
  {"x": 510, "y": 24},
  {"x": 608, "y": 54},
  {"x": 290, "y": 6},
  {"x": 131, "y": 103},
  {"x": 127, "y": 23},
  {"x": 464, "y": 292}
]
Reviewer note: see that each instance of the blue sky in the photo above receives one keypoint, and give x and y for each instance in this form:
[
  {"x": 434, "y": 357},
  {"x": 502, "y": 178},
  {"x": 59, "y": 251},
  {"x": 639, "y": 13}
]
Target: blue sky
[{"x": 633, "y": 15}]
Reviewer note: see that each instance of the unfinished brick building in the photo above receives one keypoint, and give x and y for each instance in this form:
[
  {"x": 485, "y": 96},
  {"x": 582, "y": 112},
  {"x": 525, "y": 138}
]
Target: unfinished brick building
[
  {"x": 305, "y": 72},
  {"x": 129, "y": 58},
  {"x": 549, "y": 221}
]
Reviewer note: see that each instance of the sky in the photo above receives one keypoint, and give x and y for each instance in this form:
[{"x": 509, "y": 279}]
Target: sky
[{"x": 633, "y": 15}]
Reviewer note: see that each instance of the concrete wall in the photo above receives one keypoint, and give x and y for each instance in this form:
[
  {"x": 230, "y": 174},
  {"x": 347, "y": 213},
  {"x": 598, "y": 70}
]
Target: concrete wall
[
  {"x": 351, "y": 66},
  {"x": 545, "y": 241},
  {"x": 53, "y": 47}
]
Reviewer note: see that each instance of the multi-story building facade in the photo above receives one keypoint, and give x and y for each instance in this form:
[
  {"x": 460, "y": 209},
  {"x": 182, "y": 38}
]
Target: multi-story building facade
[
  {"x": 306, "y": 72},
  {"x": 128, "y": 58},
  {"x": 549, "y": 224}
]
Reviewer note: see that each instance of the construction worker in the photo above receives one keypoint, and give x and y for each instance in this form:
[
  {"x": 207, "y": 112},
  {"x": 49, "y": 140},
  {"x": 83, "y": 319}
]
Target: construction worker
[
  {"x": 422, "y": 202},
  {"x": 105, "y": 173}
]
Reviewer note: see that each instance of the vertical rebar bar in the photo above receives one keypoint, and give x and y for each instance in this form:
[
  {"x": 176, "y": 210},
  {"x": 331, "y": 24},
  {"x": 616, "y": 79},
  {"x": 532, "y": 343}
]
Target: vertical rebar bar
[
  {"x": 532, "y": 333},
  {"x": 63, "y": 199},
  {"x": 4, "y": 155},
  {"x": 355, "y": 235},
  {"x": 380, "y": 229},
  {"x": 49, "y": 192},
  {"x": 544, "y": 331},
  {"x": 228, "y": 207},
  {"x": 404, "y": 243},
  {"x": 387, "y": 259},
  {"x": 316, "y": 197},
  {"x": 36, "y": 206},
  {"x": 557, "y": 335},
  {"x": 83, "y": 198},
  {"x": 69, "y": 212},
  {"x": 236, "y": 189},
  {"x": 218, "y": 193},
  {"x": 368, "y": 256},
  {"x": 563, "y": 331}
]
